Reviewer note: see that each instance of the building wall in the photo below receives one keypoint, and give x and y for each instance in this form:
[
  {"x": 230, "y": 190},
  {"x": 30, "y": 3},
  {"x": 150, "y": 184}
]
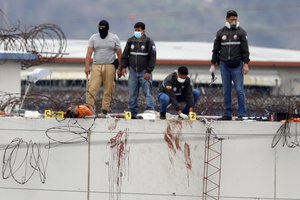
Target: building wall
[
  {"x": 141, "y": 159},
  {"x": 10, "y": 80},
  {"x": 290, "y": 84},
  {"x": 283, "y": 80}
]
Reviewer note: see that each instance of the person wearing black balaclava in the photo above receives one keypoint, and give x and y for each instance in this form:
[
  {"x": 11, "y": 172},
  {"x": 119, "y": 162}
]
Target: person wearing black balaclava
[
  {"x": 103, "y": 46},
  {"x": 103, "y": 28},
  {"x": 231, "y": 53}
]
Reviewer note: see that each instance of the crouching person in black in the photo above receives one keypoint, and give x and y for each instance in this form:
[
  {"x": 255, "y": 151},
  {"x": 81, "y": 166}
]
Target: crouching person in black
[{"x": 176, "y": 88}]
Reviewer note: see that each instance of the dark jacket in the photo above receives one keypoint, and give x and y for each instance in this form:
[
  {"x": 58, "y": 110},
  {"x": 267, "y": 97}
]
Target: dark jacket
[
  {"x": 173, "y": 88},
  {"x": 139, "y": 55},
  {"x": 231, "y": 45}
]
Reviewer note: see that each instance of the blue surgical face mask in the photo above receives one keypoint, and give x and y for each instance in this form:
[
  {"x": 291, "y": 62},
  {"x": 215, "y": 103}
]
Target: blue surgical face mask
[{"x": 137, "y": 34}]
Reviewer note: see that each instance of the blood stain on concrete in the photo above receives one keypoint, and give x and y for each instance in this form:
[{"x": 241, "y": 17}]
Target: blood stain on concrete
[
  {"x": 173, "y": 136},
  {"x": 187, "y": 156},
  {"x": 119, "y": 151}
]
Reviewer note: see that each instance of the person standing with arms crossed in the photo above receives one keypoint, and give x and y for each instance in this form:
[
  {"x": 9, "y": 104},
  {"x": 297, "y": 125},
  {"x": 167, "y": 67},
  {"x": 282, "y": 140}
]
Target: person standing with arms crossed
[
  {"x": 231, "y": 51},
  {"x": 104, "y": 45}
]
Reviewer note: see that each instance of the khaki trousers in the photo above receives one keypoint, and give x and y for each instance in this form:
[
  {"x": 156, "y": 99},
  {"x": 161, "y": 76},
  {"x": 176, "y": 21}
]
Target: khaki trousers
[{"x": 103, "y": 74}]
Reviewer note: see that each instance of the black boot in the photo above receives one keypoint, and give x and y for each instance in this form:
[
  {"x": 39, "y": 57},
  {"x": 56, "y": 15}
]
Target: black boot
[{"x": 162, "y": 115}]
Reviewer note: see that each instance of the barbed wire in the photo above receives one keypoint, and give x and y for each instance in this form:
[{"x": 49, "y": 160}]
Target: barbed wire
[
  {"x": 46, "y": 41},
  {"x": 260, "y": 103},
  {"x": 288, "y": 136},
  {"x": 21, "y": 165}
]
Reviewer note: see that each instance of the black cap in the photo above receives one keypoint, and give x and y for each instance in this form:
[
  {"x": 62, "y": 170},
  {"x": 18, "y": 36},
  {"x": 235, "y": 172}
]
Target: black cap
[
  {"x": 183, "y": 70},
  {"x": 231, "y": 13},
  {"x": 140, "y": 25}
]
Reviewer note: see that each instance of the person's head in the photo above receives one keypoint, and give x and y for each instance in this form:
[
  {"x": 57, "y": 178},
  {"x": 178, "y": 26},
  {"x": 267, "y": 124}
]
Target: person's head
[
  {"x": 72, "y": 112},
  {"x": 103, "y": 28},
  {"x": 182, "y": 74},
  {"x": 139, "y": 29},
  {"x": 231, "y": 19}
]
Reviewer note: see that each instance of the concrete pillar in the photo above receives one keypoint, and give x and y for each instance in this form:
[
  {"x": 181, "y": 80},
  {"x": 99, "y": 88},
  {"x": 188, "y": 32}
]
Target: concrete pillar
[{"x": 10, "y": 79}]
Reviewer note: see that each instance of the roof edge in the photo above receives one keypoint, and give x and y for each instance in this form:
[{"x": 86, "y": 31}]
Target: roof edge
[{"x": 196, "y": 62}]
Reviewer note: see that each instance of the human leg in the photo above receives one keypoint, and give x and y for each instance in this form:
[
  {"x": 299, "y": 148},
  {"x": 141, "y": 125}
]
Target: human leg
[
  {"x": 93, "y": 84},
  {"x": 147, "y": 90},
  {"x": 109, "y": 73},
  {"x": 227, "y": 87},
  {"x": 133, "y": 85},
  {"x": 238, "y": 81},
  {"x": 164, "y": 101}
]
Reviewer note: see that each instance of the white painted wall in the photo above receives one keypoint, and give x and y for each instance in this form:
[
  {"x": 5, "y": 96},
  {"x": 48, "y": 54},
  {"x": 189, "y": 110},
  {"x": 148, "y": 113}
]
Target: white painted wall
[
  {"x": 251, "y": 169},
  {"x": 10, "y": 80}
]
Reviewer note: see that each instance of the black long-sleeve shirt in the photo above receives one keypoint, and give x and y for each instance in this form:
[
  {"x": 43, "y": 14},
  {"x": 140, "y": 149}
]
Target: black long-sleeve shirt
[
  {"x": 172, "y": 88},
  {"x": 230, "y": 44},
  {"x": 139, "y": 55}
]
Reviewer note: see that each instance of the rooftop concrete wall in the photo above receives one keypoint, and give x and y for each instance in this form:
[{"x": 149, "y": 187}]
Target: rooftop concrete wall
[{"x": 141, "y": 159}]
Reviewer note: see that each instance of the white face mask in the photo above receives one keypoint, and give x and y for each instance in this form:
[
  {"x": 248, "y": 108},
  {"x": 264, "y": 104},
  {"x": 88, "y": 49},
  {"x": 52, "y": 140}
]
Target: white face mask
[
  {"x": 180, "y": 80},
  {"x": 232, "y": 25}
]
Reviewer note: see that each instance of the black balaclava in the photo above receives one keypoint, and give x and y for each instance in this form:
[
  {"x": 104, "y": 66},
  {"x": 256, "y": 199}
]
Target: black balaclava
[{"x": 104, "y": 31}]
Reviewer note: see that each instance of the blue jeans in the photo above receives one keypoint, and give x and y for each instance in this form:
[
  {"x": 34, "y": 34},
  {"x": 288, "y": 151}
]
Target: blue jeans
[
  {"x": 135, "y": 81},
  {"x": 236, "y": 76},
  {"x": 164, "y": 100}
]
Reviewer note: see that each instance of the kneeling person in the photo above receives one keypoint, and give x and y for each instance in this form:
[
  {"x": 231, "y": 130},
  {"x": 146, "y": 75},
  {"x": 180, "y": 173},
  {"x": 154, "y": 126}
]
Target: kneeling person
[{"x": 177, "y": 88}]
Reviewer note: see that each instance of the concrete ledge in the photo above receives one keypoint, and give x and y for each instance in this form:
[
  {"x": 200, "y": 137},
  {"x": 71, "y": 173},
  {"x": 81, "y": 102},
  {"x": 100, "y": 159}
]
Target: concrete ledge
[{"x": 142, "y": 159}]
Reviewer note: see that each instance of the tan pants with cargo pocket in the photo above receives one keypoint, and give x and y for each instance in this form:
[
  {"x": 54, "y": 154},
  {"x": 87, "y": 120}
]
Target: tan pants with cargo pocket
[{"x": 103, "y": 74}]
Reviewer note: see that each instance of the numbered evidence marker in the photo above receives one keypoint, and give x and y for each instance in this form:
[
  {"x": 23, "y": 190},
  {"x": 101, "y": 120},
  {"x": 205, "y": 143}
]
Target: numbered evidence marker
[
  {"x": 54, "y": 114},
  {"x": 193, "y": 116},
  {"x": 127, "y": 115},
  {"x": 47, "y": 113}
]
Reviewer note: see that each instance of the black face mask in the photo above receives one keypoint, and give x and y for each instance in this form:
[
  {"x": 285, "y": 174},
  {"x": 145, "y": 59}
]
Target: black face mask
[{"x": 103, "y": 31}]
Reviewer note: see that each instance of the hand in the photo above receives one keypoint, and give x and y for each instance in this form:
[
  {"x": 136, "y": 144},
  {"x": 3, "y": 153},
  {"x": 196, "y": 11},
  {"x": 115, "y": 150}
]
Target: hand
[
  {"x": 124, "y": 73},
  {"x": 245, "y": 68},
  {"x": 119, "y": 72},
  {"x": 212, "y": 68},
  {"x": 87, "y": 70},
  {"x": 183, "y": 116},
  {"x": 147, "y": 76}
]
